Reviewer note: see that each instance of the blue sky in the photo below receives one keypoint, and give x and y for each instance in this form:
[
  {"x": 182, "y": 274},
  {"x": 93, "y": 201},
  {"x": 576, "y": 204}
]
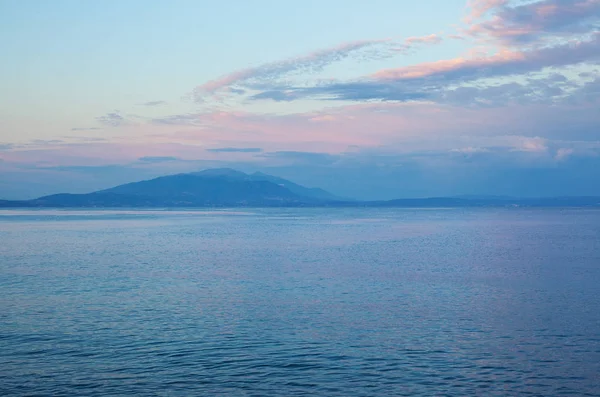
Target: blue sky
[{"x": 375, "y": 99}]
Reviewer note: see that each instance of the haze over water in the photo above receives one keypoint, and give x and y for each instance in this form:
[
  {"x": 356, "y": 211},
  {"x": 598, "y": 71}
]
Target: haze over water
[{"x": 336, "y": 302}]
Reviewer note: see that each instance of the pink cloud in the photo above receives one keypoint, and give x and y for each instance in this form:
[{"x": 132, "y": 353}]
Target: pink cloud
[
  {"x": 214, "y": 85},
  {"x": 413, "y": 41},
  {"x": 429, "y": 39},
  {"x": 424, "y": 125},
  {"x": 448, "y": 65},
  {"x": 311, "y": 62},
  {"x": 504, "y": 62},
  {"x": 325, "y": 118},
  {"x": 403, "y": 128},
  {"x": 531, "y": 22},
  {"x": 508, "y": 27},
  {"x": 478, "y": 8}
]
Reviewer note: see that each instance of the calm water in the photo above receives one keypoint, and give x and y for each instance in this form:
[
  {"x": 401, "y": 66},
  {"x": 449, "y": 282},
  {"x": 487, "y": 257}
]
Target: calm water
[{"x": 300, "y": 302}]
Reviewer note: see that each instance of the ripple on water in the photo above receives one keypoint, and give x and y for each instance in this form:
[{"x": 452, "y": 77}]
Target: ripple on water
[{"x": 301, "y": 302}]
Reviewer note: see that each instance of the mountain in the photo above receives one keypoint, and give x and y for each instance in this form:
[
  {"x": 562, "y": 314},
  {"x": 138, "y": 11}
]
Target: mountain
[
  {"x": 315, "y": 193},
  {"x": 12, "y": 204},
  {"x": 224, "y": 187},
  {"x": 211, "y": 188},
  {"x": 221, "y": 173}
]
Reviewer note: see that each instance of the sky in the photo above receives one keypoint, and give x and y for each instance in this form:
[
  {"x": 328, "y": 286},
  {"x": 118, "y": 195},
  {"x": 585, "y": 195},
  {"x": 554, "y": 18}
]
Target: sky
[{"x": 370, "y": 100}]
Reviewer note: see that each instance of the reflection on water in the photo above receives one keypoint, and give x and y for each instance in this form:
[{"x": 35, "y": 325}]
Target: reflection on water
[{"x": 372, "y": 302}]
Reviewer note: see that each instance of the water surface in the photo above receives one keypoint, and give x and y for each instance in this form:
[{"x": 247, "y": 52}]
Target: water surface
[{"x": 362, "y": 302}]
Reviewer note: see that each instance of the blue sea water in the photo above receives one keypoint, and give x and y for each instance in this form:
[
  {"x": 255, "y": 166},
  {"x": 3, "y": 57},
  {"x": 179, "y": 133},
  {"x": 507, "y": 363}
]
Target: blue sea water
[{"x": 323, "y": 302}]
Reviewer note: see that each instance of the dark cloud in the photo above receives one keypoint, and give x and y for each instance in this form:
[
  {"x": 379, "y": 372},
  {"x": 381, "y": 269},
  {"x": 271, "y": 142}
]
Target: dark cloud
[
  {"x": 589, "y": 92},
  {"x": 352, "y": 91},
  {"x": 32, "y": 143},
  {"x": 309, "y": 63},
  {"x": 507, "y": 64},
  {"x": 235, "y": 150},
  {"x": 157, "y": 159},
  {"x": 85, "y": 128},
  {"x": 547, "y": 90},
  {"x": 177, "y": 119},
  {"x": 535, "y": 21},
  {"x": 153, "y": 103},
  {"x": 534, "y": 36},
  {"x": 46, "y": 142},
  {"x": 112, "y": 120},
  {"x": 439, "y": 81},
  {"x": 86, "y": 138},
  {"x": 576, "y": 20},
  {"x": 287, "y": 95}
]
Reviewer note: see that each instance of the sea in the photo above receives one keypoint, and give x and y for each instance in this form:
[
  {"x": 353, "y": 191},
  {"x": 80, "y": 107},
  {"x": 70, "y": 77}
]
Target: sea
[{"x": 300, "y": 302}]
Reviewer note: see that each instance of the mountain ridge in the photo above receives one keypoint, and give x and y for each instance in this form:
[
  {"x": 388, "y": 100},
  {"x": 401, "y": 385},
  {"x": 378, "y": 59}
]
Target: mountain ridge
[
  {"x": 225, "y": 187},
  {"x": 313, "y": 192}
]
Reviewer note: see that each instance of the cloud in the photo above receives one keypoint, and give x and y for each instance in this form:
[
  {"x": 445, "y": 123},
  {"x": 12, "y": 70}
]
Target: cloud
[
  {"x": 531, "y": 145},
  {"x": 429, "y": 39},
  {"x": 443, "y": 79},
  {"x": 267, "y": 77},
  {"x": 563, "y": 153},
  {"x": 471, "y": 150},
  {"x": 85, "y": 138},
  {"x": 235, "y": 150},
  {"x": 533, "y": 21},
  {"x": 416, "y": 150},
  {"x": 350, "y": 91},
  {"x": 157, "y": 159},
  {"x": 85, "y": 128},
  {"x": 588, "y": 92},
  {"x": 36, "y": 142},
  {"x": 503, "y": 111},
  {"x": 478, "y": 8},
  {"x": 113, "y": 119},
  {"x": 504, "y": 63},
  {"x": 309, "y": 63},
  {"x": 510, "y": 31},
  {"x": 177, "y": 119},
  {"x": 546, "y": 90},
  {"x": 525, "y": 95},
  {"x": 415, "y": 41},
  {"x": 153, "y": 103},
  {"x": 322, "y": 118}
]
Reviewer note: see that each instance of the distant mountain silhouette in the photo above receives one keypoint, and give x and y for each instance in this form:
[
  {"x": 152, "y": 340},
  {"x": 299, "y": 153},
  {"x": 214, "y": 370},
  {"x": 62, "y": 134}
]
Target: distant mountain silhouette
[
  {"x": 221, "y": 173},
  {"x": 215, "y": 188},
  {"x": 224, "y": 187},
  {"x": 315, "y": 193},
  {"x": 12, "y": 203}
]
